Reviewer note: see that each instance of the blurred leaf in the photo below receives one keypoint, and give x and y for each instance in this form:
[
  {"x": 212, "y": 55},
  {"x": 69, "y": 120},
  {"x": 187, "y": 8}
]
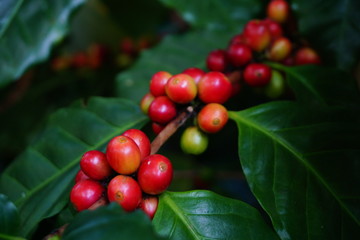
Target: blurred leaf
[
  {"x": 52, "y": 161},
  {"x": 228, "y": 15},
  {"x": 110, "y": 222},
  {"x": 9, "y": 219},
  {"x": 333, "y": 29},
  {"x": 206, "y": 215},
  {"x": 28, "y": 30},
  {"x": 301, "y": 159}
]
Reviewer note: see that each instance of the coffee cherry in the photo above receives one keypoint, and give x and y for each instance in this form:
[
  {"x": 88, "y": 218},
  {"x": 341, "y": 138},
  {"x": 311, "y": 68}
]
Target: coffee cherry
[
  {"x": 239, "y": 54},
  {"x": 145, "y": 102},
  {"x": 280, "y": 49},
  {"x": 212, "y": 118},
  {"x": 239, "y": 38},
  {"x": 257, "y": 74},
  {"x": 181, "y": 88},
  {"x": 275, "y": 28},
  {"x": 95, "y": 165},
  {"x": 141, "y": 140},
  {"x": 81, "y": 176},
  {"x": 123, "y": 155},
  {"x": 85, "y": 193},
  {"x": 217, "y": 60},
  {"x": 158, "y": 82},
  {"x": 276, "y": 86},
  {"x": 195, "y": 73},
  {"x": 193, "y": 141},
  {"x": 157, "y": 128},
  {"x": 258, "y": 35},
  {"x": 125, "y": 191},
  {"x": 278, "y": 10},
  {"x": 155, "y": 174},
  {"x": 149, "y": 205},
  {"x": 306, "y": 55},
  {"x": 214, "y": 87},
  {"x": 162, "y": 110}
]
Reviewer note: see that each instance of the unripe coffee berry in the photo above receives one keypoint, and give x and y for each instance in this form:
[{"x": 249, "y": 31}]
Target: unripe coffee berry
[
  {"x": 162, "y": 110},
  {"x": 155, "y": 174},
  {"x": 276, "y": 87},
  {"x": 257, "y": 74},
  {"x": 158, "y": 82},
  {"x": 141, "y": 140},
  {"x": 280, "y": 49},
  {"x": 95, "y": 165},
  {"x": 214, "y": 87},
  {"x": 212, "y": 118},
  {"x": 217, "y": 60},
  {"x": 193, "y": 141},
  {"x": 181, "y": 88},
  {"x": 123, "y": 155},
  {"x": 278, "y": 10},
  {"x": 145, "y": 102},
  {"x": 125, "y": 191},
  {"x": 85, "y": 193}
]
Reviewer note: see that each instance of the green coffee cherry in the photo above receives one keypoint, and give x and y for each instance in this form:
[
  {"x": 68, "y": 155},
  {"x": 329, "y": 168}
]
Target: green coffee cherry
[
  {"x": 276, "y": 86},
  {"x": 194, "y": 141}
]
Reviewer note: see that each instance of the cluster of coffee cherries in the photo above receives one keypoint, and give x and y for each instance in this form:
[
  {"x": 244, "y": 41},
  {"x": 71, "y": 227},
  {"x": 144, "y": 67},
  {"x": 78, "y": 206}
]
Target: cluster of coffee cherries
[
  {"x": 169, "y": 94},
  {"x": 263, "y": 40},
  {"x": 126, "y": 173}
]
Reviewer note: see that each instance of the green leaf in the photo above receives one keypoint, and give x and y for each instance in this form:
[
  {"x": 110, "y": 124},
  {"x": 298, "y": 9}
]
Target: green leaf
[
  {"x": 110, "y": 222},
  {"x": 206, "y": 215},
  {"x": 39, "y": 180},
  {"x": 333, "y": 28},
  {"x": 9, "y": 219},
  {"x": 302, "y": 166},
  {"x": 228, "y": 15},
  {"x": 28, "y": 29}
]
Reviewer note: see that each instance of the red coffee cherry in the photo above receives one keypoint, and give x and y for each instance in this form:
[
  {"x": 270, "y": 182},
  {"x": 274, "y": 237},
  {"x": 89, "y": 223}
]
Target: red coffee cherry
[
  {"x": 258, "y": 35},
  {"x": 155, "y": 174},
  {"x": 257, "y": 74},
  {"x": 85, "y": 193},
  {"x": 195, "y": 73},
  {"x": 145, "y": 102},
  {"x": 81, "y": 176},
  {"x": 280, "y": 49},
  {"x": 149, "y": 205},
  {"x": 95, "y": 165},
  {"x": 125, "y": 191},
  {"x": 193, "y": 141},
  {"x": 306, "y": 55},
  {"x": 239, "y": 54},
  {"x": 214, "y": 87},
  {"x": 162, "y": 110},
  {"x": 158, "y": 82},
  {"x": 141, "y": 140},
  {"x": 212, "y": 118},
  {"x": 181, "y": 88},
  {"x": 275, "y": 28},
  {"x": 239, "y": 38},
  {"x": 217, "y": 60},
  {"x": 123, "y": 155},
  {"x": 157, "y": 128},
  {"x": 278, "y": 10}
]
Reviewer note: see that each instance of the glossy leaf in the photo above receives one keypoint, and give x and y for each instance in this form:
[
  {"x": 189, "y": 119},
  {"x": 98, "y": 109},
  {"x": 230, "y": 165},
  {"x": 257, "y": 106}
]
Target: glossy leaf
[
  {"x": 206, "y": 215},
  {"x": 28, "y": 29},
  {"x": 39, "y": 180},
  {"x": 333, "y": 28},
  {"x": 110, "y": 222},
  {"x": 9, "y": 219},
  {"x": 301, "y": 158},
  {"x": 214, "y": 15}
]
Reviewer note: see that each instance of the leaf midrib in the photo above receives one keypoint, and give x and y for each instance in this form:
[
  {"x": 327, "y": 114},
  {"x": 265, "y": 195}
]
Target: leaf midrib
[
  {"x": 69, "y": 166},
  {"x": 237, "y": 116},
  {"x": 12, "y": 16},
  {"x": 180, "y": 214}
]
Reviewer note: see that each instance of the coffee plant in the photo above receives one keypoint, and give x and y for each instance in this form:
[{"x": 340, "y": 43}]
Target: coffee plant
[{"x": 242, "y": 122}]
